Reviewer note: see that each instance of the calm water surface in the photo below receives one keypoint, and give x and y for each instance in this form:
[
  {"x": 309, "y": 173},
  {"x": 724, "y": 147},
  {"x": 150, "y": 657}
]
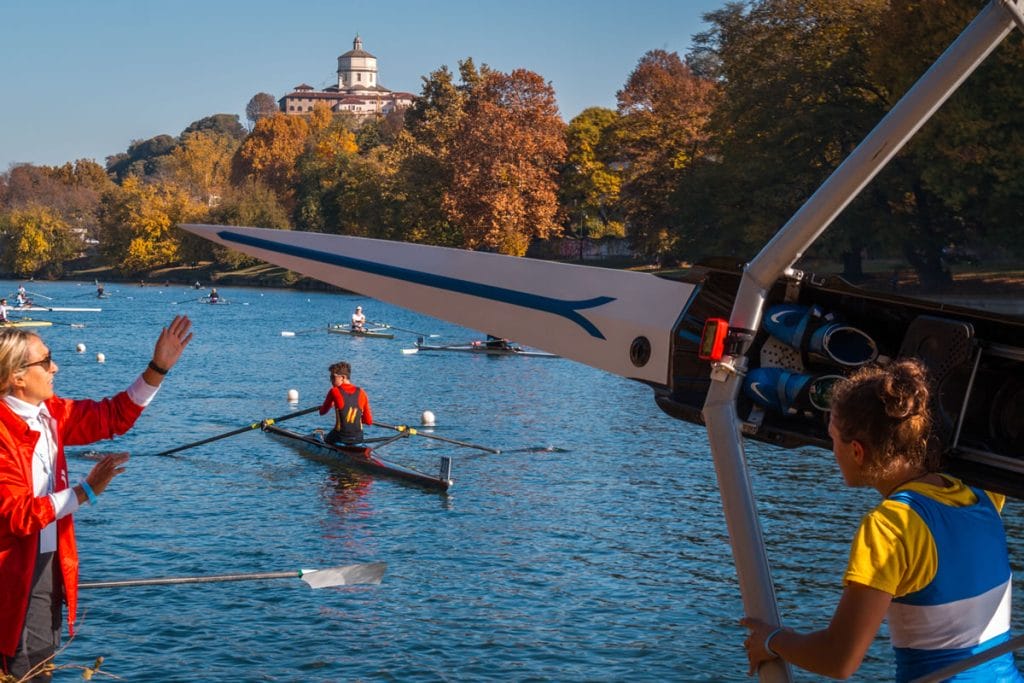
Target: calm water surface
[{"x": 608, "y": 561}]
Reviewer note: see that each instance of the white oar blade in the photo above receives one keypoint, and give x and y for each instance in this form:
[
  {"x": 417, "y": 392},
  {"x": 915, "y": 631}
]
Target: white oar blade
[
  {"x": 409, "y": 352},
  {"x": 286, "y": 333},
  {"x": 616, "y": 320},
  {"x": 351, "y": 575}
]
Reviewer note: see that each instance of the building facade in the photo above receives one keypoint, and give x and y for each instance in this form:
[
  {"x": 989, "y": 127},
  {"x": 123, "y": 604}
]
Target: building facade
[{"x": 357, "y": 92}]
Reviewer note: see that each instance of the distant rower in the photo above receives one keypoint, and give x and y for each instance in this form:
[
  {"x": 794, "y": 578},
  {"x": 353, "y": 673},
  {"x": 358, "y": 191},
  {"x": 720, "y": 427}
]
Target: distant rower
[{"x": 358, "y": 320}]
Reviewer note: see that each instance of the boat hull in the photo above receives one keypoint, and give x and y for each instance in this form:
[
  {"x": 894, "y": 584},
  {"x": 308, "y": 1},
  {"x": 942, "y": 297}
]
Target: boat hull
[
  {"x": 483, "y": 350},
  {"x": 358, "y": 457},
  {"x": 373, "y": 334},
  {"x": 26, "y": 323}
]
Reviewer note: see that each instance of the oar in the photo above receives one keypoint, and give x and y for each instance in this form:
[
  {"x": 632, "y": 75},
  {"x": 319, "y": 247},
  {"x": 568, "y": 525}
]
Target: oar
[
  {"x": 410, "y": 430},
  {"x": 402, "y": 329},
  {"x": 286, "y": 333},
  {"x": 241, "y": 430},
  {"x": 48, "y": 298},
  {"x": 353, "y": 574},
  {"x": 188, "y": 301}
]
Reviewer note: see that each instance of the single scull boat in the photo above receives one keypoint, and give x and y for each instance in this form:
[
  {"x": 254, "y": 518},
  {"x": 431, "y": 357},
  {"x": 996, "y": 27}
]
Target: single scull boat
[
  {"x": 362, "y": 457},
  {"x": 377, "y": 333}
]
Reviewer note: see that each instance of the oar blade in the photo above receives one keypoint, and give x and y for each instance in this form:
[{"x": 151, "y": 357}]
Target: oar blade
[
  {"x": 409, "y": 352},
  {"x": 354, "y": 574},
  {"x": 616, "y": 320}
]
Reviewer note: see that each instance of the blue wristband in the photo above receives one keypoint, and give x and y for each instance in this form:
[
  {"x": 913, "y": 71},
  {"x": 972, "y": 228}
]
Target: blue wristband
[
  {"x": 768, "y": 642},
  {"x": 88, "y": 492}
]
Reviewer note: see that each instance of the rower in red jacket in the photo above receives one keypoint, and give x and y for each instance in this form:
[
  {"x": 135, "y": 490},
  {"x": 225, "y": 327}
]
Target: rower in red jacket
[
  {"x": 37, "y": 500},
  {"x": 351, "y": 407}
]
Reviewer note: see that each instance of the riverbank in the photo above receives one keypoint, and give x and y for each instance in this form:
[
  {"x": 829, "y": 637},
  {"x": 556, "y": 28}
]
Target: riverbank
[{"x": 974, "y": 283}]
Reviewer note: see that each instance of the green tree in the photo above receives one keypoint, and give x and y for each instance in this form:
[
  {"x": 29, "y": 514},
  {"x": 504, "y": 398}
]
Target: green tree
[
  {"x": 795, "y": 100},
  {"x": 591, "y": 180},
  {"x": 144, "y": 158},
  {"x": 218, "y": 124},
  {"x": 418, "y": 165},
  {"x": 249, "y": 204},
  {"x": 961, "y": 179}
]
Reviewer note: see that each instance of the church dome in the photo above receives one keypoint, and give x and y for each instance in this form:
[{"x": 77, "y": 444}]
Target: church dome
[{"x": 357, "y": 50}]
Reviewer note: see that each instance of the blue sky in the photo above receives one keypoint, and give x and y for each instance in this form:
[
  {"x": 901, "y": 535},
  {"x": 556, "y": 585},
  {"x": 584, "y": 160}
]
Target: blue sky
[{"x": 83, "y": 78}]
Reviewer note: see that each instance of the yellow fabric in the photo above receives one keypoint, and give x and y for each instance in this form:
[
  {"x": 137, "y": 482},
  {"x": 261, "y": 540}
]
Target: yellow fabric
[{"x": 893, "y": 550}]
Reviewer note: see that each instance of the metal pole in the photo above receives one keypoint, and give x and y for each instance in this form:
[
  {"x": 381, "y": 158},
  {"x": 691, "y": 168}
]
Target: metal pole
[{"x": 958, "y": 61}]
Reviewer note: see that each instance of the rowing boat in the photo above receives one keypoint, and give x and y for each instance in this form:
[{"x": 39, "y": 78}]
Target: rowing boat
[
  {"x": 363, "y": 457},
  {"x": 56, "y": 309},
  {"x": 483, "y": 349},
  {"x": 26, "y": 323},
  {"x": 376, "y": 333}
]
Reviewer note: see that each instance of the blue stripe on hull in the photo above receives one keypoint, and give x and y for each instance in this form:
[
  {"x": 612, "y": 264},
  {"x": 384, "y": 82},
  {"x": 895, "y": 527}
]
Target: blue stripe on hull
[{"x": 560, "y": 307}]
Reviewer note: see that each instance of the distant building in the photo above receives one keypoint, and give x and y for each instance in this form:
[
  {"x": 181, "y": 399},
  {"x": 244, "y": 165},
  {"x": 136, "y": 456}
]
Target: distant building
[{"x": 358, "y": 90}]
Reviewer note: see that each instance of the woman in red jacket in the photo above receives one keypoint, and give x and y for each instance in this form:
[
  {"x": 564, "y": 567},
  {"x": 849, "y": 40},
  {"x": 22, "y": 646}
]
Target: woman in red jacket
[{"x": 38, "y": 558}]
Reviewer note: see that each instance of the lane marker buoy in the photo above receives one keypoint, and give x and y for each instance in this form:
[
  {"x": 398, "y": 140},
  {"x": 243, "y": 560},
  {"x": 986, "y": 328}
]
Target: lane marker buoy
[{"x": 293, "y": 395}]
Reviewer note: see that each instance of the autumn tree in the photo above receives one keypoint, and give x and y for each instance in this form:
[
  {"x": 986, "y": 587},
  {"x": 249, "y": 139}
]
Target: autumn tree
[
  {"x": 201, "y": 164},
  {"x": 591, "y": 180},
  {"x": 138, "y": 221},
  {"x": 662, "y": 133},
  {"x": 218, "y": 124},
  {"x": 35, "y": 240},
  {"x": 73, "y": 190},
  {"x": 270, "y": 153},
  {"x": 505, "y": 158},
  {"x": 260, "y": 106}
]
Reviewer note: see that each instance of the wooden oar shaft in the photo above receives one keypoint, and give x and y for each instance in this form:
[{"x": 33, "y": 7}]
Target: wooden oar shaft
[
  {"x": 172, "y": 580},
  {"x": 240, "y": 430},
  {"x": 414, "y": 432}
]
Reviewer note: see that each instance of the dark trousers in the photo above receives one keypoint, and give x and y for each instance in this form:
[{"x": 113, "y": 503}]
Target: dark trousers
[{"x": 40, "y": 637}]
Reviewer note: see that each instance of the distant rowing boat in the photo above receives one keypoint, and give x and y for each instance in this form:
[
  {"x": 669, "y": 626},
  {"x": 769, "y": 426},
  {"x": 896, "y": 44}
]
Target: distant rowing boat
[
  {"x": 362, "y": 457},
  {"x": 26, "y": 323},
  {"x": 483, "y": 349},
  {"x": 377, "y": 333}
]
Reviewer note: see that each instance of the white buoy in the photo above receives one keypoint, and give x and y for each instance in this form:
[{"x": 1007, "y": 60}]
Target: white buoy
[
  {"x": 428, "y": 419},
  {"x": 100, "y": 358},
  {"x": 80, "y": 348},
  {"x": 293, "y": 395}
]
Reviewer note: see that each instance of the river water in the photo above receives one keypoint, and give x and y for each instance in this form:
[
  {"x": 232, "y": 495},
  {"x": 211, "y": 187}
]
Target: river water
[{"x": 605, "y": 558}]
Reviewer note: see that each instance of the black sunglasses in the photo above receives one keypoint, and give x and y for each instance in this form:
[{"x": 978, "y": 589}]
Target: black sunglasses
[{"x": 45, "y": 363}]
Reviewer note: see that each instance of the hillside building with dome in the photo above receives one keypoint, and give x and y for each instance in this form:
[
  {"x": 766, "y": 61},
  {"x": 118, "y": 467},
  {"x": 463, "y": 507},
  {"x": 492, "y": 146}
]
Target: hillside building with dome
[{"x": 358, "y": 91}]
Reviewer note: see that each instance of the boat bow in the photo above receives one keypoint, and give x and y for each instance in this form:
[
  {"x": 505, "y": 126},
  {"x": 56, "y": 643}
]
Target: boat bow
[{"x": 618, "y": 321}]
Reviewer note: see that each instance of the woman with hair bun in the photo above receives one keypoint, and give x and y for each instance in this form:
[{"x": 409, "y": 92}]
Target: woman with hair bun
[{"x": 931, "y": 557}]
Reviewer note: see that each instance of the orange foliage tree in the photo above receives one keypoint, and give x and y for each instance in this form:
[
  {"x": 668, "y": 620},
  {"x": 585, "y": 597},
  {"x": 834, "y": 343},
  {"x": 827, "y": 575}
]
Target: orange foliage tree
[
  {"x": 505, "y": 159},
  {"x": 269, "y": 154}
]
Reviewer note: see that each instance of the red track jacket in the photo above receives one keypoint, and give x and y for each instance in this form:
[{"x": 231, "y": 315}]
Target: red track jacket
[{"x": 23, "y": 516}]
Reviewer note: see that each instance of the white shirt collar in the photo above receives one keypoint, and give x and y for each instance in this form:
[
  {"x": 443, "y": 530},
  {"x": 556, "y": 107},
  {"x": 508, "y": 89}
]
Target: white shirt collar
[{"x": 26, "y": 411}]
